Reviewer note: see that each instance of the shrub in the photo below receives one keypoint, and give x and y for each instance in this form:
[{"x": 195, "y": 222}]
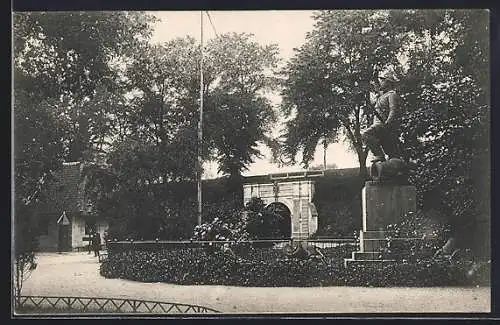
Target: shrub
[
  {"x": 408, "y": 274},
  {"x": 266, "y": 223},
  {"x": 414, "y": 242},
  {"x": 416, "y": 237},
  {"x": 267, "y": 267},
  {"x": 198, "y": 267},
  {"x": 337, "y": 198},
  {"x": 252, "y": 223}
]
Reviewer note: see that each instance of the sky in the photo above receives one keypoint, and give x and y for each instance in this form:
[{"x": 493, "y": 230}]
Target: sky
[{"x": 287, "y": 29}]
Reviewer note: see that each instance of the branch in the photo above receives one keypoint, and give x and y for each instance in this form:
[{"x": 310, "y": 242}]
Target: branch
[
  {"x": 357, "y": 125},
  {"x": 35, "y": 194},
  {"x": 351, "y": 135}
]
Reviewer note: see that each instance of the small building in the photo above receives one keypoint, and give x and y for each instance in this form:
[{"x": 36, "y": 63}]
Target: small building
[{"x": 62, "y": 217}]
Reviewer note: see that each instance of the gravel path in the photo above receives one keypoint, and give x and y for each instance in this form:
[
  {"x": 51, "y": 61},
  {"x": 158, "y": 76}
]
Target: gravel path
[{"x": 77, "y": 274}]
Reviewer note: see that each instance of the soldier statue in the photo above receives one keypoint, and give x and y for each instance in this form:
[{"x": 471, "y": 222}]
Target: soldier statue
[{"x": 382, "y": 137}]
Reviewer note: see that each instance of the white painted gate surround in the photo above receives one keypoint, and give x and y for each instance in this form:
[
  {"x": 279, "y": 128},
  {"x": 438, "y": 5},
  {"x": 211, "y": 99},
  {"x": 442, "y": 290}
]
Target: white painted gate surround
[{"x": 294, "y": 192}]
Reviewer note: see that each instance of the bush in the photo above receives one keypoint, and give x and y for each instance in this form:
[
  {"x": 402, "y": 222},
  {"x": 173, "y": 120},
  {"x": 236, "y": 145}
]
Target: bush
[
  {"x": 271, "y": 268},
  {"x": 254, "y": 222},
  {"x": 407, "y": 274},
  {"x": 414, "y": 243},
  {"x": 266, "y": 222},
  {"x": 416, "y": 237},
  {"x": 337, "y": 198},
  {"x": 198, "y": 267}
]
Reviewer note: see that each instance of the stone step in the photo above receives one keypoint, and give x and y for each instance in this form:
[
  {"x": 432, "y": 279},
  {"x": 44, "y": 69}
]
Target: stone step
[
  {"x": 372, "y": 245},
  {"x": 350, "y": 261}
]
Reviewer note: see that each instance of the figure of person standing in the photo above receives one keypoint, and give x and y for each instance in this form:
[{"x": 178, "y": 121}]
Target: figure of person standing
[
  {"x": 381, "y": 137},
  {"x": 96, "y": 243}
]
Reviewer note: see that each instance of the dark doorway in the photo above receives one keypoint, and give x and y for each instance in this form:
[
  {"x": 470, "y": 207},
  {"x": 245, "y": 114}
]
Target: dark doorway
[
  {"x": 64, "y": 244},
  {"x": 283, "y": 220}
]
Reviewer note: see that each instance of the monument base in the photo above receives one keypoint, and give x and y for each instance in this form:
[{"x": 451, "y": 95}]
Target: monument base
[{"x": 383, "y": 204}]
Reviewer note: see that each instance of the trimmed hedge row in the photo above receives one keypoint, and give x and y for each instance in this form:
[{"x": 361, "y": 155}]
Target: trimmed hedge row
[{"x": 199, "y": 267}]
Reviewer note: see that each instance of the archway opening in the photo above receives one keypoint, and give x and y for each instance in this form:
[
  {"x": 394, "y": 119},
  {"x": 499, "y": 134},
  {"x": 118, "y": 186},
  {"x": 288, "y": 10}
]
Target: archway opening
[{"x": 281, "y": 224}]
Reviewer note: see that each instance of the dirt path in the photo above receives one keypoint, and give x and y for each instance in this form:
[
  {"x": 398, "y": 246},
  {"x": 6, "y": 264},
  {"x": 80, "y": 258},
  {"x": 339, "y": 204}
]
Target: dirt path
[{"x": 77, "y": 274}]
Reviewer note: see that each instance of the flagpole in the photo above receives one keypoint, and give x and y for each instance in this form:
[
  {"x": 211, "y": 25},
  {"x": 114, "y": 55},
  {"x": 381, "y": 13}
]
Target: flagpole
[{"x": 200, "y": 125}]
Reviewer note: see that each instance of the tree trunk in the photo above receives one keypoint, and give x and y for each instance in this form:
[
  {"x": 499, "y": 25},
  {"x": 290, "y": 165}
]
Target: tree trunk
[
  {"x": 325, "y": 146},
  {"x": 362, "y": 155}
]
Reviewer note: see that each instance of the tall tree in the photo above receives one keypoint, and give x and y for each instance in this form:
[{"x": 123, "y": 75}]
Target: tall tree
[
  {"x": 243, "y": 72},
  {"x": 157, "y": 153},
  {"x": 71, "y": 56},
  {"x": 447, "y": 125},
  {"x": 37, "y": 152},
  {"x": 328, "y": 82},
  {"x": 442, "y": 56},
  {"x": 238, "y": 72},
  {"x": 61, "y": 60}
]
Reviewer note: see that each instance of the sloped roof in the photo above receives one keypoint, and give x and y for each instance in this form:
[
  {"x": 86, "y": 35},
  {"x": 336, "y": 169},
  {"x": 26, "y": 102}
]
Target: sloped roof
[{"x": 65, "y": 192}]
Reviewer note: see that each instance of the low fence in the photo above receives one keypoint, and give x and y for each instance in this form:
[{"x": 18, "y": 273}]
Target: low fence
[
  {"x": 333, "y": 250},
  {"x": 58, "y": 304}
]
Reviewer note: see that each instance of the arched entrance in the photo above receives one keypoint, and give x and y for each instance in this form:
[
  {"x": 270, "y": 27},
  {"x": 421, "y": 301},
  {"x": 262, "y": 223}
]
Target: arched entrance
[
  {"x": 296, "y": 191},
  {"x": 282, "y": 220}
]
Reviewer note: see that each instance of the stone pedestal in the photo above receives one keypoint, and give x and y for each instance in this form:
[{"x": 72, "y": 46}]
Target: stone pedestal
[{"x": 383, "y": 204}]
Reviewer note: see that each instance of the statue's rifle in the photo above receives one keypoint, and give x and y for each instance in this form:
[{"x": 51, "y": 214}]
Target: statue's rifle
[{"x": 375, "y": 112}]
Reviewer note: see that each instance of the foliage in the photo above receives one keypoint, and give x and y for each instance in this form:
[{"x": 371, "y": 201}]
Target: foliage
[
  {"x": 191, "y": 266},
  {"x": 417, "y": 241},
  {"x": 328, "y": 81},
  {"x": 155, "y": 151},
  {"x": 441, "y": 57},
  {"x": 37, "y": 147},
  {"x": 137, "y": 213},
  {"x": 337, "y": 197},
  {"x": 165, "y": 80},
  {"x": 416, "y": 237},
  {"x": 418, "y": 274},
  {"x": 241, "y": 72},
  {"x": 420, "y": 224},
  {"x": 267, "y": 222},
  {"x": 226, "y": 113},
  {"x": 71, "y": 58},
  {"x": 447, "y": 127},
  {"x": 337, "y": 221},
  {"x": 24, "y": 248},
  {"x": 194, "y": 267},
  {"x": 229, "y": 227},
  {"x": 62, "y": 82},
  {"x": 134, "y": 211},
  {"x": 255, "y": 221}
]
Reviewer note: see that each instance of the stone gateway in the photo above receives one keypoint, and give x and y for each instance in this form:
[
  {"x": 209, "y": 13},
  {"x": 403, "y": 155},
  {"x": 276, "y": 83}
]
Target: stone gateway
[{"x": 295, "y": 191}]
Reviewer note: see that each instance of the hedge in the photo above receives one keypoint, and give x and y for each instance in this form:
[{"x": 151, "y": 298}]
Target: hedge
[{"x": 199, "y": 267}]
